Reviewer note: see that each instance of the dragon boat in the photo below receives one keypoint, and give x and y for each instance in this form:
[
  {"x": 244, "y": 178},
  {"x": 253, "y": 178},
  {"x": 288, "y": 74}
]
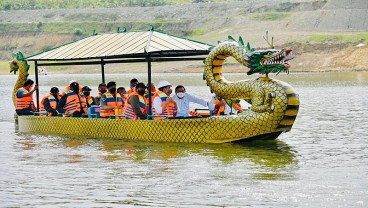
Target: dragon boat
[{"x": 274, "y": 104}]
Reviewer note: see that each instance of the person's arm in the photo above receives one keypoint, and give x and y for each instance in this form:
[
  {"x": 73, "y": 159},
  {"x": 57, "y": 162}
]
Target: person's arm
[
  {"x": 61, "y": 104},
  {"x": 134, "y": 102},
  {"x": 48, "y": 108},
  {"x": 197, "y": 100},
  {"x": 157, "y": 105},
  {"x": 30, "y": 92}
]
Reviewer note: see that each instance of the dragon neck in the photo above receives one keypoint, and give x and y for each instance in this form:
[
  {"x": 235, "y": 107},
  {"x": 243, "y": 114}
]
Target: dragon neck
[
  {"x": 213, "y": 69},
  {"x": 22, "y": 76}
]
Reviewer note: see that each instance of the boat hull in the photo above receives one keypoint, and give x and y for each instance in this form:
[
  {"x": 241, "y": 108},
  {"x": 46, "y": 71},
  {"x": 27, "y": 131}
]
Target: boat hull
[{"x": 222, "y": 129}]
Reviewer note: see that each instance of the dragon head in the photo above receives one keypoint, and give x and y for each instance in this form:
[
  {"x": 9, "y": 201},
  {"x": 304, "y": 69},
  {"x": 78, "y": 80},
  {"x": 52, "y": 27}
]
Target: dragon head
[
  {"x": 17, "y": 57},
  {"x": 269, "y": 61}
]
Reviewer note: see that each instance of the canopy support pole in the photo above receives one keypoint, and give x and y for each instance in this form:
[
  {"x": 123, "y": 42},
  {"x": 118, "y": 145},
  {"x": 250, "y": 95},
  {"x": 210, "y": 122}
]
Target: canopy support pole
[
  {"x": 37, "y": 91},
  {"x": 103, "y": 70},
  {"x": 149, "y": 61}
]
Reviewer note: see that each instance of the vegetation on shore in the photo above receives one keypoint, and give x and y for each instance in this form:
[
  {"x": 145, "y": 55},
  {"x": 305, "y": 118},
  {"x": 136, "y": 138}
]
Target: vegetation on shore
[{"x": 62, "y": 4}]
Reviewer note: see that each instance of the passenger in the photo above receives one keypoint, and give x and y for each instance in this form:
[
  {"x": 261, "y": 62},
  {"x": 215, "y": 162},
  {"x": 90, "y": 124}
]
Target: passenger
[
  {"x": 123, "y": 94},
  {"x": 133, "y": 83},
  {"x": 24, "y": 100},
  {"x": 136, "y": 104},
  {"x": 111, "y": 101},
  {"x": 223, "y": 107},
  {"x": 163, "y": 104},
  {"x": 49, "y": 102},
  {"x": 72, "y": 103},
  {"x": 101, "y": 90},
  {"x": 182, "y": 99},
  {"x": 86, "y": 91}
]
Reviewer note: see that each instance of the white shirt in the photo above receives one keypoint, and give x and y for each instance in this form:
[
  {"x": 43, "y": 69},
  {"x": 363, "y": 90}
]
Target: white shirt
[
  {"x": 183, "y": 104},
  {"x": 157, "y": 105}
]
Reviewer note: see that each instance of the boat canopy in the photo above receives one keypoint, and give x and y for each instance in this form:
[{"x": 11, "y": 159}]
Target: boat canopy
[
  {"x": 122, "y": 47},
  {"x": 125, "y": 45}
]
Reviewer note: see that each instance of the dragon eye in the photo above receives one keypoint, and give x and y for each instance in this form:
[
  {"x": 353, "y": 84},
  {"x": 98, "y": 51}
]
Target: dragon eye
[{"x": 269, "y": 53}]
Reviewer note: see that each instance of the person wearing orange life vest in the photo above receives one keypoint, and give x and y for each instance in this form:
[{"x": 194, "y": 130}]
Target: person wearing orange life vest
[
  {"x": 136, "y": 104},
  {"x": 111, "y": 101},
  {"x": 49, "y": 102},
  {"x": 86, "y": 92},
  {"x": 72, "y": 103},
  {"x": 163, "y": 103},
  {"x": 24, "y": 100}
]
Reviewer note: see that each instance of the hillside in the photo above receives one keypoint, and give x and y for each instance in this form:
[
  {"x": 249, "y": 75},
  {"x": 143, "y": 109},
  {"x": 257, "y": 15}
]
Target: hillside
[{"x": 323, "y": 34}]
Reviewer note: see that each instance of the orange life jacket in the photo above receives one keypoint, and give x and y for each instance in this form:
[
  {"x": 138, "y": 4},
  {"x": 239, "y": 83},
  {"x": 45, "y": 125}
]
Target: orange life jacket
[
  {"x": 52, "y": 101},
  {"x": 111, "y": 101},
  {"x": 219, "y": 110},
  {"x": 25, "y": 102},
  {"x": 74, "y": 102},
  {"x": 128, "y": 110},
  {"x": 89, "y": 100},
  {"x": 170, "y": 110}
]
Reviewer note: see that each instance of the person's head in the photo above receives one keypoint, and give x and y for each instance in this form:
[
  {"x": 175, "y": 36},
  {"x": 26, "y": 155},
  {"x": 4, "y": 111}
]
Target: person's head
[
  {"x": 28, "y": 84},
  {"x": 141, "y": 88},
  {"x": 102, "y": 88},
  {"x": 54, "y": 91},
  {"x": 111, "y": 87},
  {"x": 86, "y": 91},
  {"x": 180, "y": 91},
  {"x": 165, "y": 87},
  {"x": 153, "y": 87},
  {"x": 74, "y": 86},
  {"x": 133, "y": 83},
  {"x": 122, "y": 92}
]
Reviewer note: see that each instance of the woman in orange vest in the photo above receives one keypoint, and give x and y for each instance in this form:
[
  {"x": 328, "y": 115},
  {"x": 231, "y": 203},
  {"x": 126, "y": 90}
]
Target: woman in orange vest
[
  {"x": 136, "y": 104},
  {"x": 111, "y": 101},
  {"x": 24, "y": 100},
  {"x": 163, "y": 104},
  {"x": 49, "y": 102},
  {"x": 72, "y": 103}
]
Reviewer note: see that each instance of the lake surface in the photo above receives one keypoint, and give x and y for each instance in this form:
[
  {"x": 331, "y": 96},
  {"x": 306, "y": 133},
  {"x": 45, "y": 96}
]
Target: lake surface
[{"x": 321, "y": 162}]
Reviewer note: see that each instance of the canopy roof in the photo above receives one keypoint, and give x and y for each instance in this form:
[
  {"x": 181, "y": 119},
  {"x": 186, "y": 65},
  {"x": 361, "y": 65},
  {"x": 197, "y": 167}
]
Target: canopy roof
[{"x": 122, "y": 45}]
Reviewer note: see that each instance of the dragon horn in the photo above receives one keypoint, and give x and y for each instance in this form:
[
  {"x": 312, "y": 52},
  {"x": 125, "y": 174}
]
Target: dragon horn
[
  {"x": 241, "y": 41},
  {"x": 230, "y": 38}
]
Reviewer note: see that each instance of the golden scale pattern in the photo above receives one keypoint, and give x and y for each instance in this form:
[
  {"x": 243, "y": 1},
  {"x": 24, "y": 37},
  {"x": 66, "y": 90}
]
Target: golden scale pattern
[{"x": 256, "y": 121}]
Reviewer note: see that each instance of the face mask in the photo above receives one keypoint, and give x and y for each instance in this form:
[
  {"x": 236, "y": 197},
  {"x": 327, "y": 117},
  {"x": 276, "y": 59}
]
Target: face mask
[
  {"x": 125, "y": 95},
  {"x": 133, "y": 88},
  {"x": 112, "y": 90},
  {"x": 86, "y": 93},
  {"x": 141, "y": 92},
  {"x": 170, "y": 91},
  {"x": 103, "y": 91},
  {"x": 180, "y": 94}
]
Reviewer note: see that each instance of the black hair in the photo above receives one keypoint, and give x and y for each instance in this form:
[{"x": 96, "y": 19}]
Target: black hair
[
  {"x": 120, "y": 89},
  {"x": 102, "y": 85},
  {"x": 110, "y": 84},
  {"x": 179, "y": 86},
  {"x": 134, "y": 80},
  {"x": 28, "y": 82}
]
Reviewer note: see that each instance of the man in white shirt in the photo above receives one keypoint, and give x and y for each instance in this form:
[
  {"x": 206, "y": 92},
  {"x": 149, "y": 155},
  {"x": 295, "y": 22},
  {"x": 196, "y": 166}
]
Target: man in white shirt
[{"x": 183, "y": 99}]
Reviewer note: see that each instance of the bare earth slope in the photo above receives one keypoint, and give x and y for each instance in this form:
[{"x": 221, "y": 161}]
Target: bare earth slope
[{"x": 295, "y": 21}]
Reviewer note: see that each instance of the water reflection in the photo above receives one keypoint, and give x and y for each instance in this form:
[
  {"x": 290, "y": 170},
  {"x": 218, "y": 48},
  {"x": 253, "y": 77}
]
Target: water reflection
[{"x": 271, "y": 158}]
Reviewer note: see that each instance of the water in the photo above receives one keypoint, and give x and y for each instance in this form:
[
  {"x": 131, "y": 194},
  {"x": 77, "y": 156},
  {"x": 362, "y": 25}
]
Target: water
[{"x": 322, "y": 162}]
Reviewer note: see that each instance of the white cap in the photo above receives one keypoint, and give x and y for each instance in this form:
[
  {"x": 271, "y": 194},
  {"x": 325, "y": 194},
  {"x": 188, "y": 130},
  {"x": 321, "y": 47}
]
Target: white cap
[
  {"x": 71, "y": 81},
  {"x": 163, "y": 84}
]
